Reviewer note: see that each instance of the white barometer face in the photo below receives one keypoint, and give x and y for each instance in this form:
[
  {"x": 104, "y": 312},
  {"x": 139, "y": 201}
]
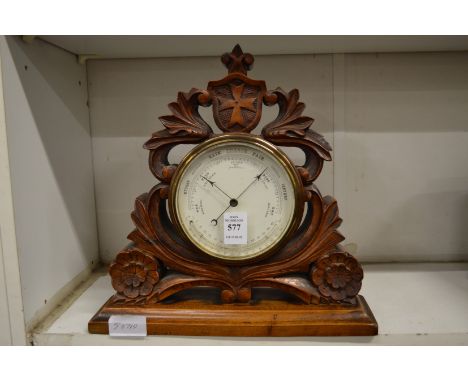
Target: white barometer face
[{"x": 235, "y": 197}]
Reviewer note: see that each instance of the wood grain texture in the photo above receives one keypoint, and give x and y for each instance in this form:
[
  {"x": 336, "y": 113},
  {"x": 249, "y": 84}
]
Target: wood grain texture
[
  {"x": 278, "y": 318},
  {"x": 311, "y": 267}
]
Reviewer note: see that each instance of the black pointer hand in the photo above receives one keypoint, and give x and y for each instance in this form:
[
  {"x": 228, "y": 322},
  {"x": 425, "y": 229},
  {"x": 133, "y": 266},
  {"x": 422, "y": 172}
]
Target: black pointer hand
[
  {"x": 215, "y": 221},
  {"x": 233, "y": 202},
  {"x": 255, "y": 179},
  {"x": 213, "y": 184}
]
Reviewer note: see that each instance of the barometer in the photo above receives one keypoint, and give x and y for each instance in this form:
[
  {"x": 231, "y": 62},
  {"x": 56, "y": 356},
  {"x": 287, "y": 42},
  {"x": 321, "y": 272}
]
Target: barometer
[
  {"x": 236, "y": 197},
  {"x": 236, "y": 239}
]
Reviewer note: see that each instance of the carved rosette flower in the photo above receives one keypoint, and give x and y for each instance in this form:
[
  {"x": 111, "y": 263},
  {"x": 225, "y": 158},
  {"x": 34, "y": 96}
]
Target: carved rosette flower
[
  {"x": 134, "y": 274},
  {"x": 338, "y": 276}
]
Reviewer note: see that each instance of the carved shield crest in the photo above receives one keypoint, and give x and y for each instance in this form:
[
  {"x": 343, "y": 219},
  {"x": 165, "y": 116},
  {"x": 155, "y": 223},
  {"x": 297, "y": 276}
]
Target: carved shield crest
[{"x": 237, "y": 102}]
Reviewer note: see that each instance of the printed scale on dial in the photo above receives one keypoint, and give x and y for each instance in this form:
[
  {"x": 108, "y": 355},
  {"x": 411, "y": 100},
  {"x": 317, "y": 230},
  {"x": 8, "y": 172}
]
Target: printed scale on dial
[{"x": 229, "y": 179}]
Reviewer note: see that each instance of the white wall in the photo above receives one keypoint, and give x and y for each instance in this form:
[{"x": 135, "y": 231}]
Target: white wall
[
  {"x": 406, "y": 155},
  {"x": 12, "y": 330},
  {"x": 51, "y": 168},
  {"x": 398, "y": 124}
]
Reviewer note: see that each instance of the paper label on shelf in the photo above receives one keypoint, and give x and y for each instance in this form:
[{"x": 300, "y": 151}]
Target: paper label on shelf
[
  {"x": 235, "y": 228},
  {"x": 127, "y": 326}
]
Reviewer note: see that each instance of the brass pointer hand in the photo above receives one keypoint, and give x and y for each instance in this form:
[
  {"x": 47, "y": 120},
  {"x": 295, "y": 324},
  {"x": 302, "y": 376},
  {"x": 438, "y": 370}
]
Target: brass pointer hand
[{"x": 234, "y": 202}]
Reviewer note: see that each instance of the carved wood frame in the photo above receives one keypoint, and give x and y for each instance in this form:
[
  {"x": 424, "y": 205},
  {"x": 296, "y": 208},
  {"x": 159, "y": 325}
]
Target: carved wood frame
[{"x": 159, "y": 262}]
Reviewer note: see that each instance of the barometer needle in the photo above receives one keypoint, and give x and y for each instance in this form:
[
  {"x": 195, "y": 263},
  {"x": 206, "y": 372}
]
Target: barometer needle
[
  {"x": 257, "y": 177},
  {"x": 213, "y": 184},
  {"x": 233, "y": 202},
  {"x": 221, "y": 214}
]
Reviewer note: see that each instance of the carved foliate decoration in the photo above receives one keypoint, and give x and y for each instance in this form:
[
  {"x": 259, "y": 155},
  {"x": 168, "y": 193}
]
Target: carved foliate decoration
[
  {"x": 337, "y": 275},
  {"x": 159, "y": 262},
  {"x": 237, "y": 61},
  {"x": 291, "y": 128},
  {"x": 134, "y": 273},
  {"x": 185, "y": 125}
]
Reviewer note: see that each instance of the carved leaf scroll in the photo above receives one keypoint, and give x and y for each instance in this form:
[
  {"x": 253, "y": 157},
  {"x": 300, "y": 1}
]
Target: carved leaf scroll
[
  {"x": 291, "y": 128},
  {"x": 317, "y": 235},
  {"x": 155, "y": 237},
  {"x": 290, "y": 119},
  {"x": 185, "y": 125},
  {"x": 186, "y": 119}
]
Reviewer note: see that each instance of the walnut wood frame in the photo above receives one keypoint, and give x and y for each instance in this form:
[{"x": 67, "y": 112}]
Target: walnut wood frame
[{"x": 311, "y": 266}]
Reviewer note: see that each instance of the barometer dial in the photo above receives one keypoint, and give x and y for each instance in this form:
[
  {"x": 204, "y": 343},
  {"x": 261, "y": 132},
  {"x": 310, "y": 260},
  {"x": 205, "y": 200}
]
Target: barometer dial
[{"x": 235, "y": 197}]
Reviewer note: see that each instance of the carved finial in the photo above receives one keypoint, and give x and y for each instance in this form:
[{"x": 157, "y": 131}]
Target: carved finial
[{"x": 237, "y": 61}]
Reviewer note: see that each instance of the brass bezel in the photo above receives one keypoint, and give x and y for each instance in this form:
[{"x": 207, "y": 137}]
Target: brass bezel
[{"x": 267, "y": 146}]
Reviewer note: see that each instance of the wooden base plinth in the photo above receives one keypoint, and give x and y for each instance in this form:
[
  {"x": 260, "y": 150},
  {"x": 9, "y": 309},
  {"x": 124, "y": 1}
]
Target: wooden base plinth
[{"x": 260, "y": 318}]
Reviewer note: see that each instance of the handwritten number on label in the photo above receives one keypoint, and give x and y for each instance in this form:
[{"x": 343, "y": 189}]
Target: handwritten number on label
[{"x": 127, "y": 326}]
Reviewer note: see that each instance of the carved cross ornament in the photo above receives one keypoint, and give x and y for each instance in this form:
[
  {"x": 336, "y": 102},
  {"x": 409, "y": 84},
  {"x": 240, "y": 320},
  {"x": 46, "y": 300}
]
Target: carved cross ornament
[{"x": 236, "y": 103}]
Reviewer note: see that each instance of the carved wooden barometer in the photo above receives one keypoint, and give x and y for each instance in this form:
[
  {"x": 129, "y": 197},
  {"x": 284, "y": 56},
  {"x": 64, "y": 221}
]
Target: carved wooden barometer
[{"x": 236, "y": 239}]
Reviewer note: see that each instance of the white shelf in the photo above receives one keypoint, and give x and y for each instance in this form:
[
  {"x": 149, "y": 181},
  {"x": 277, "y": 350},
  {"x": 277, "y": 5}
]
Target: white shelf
[
  {"x": 190, "y": 46},
  {"x": 414, "y": 304}
]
